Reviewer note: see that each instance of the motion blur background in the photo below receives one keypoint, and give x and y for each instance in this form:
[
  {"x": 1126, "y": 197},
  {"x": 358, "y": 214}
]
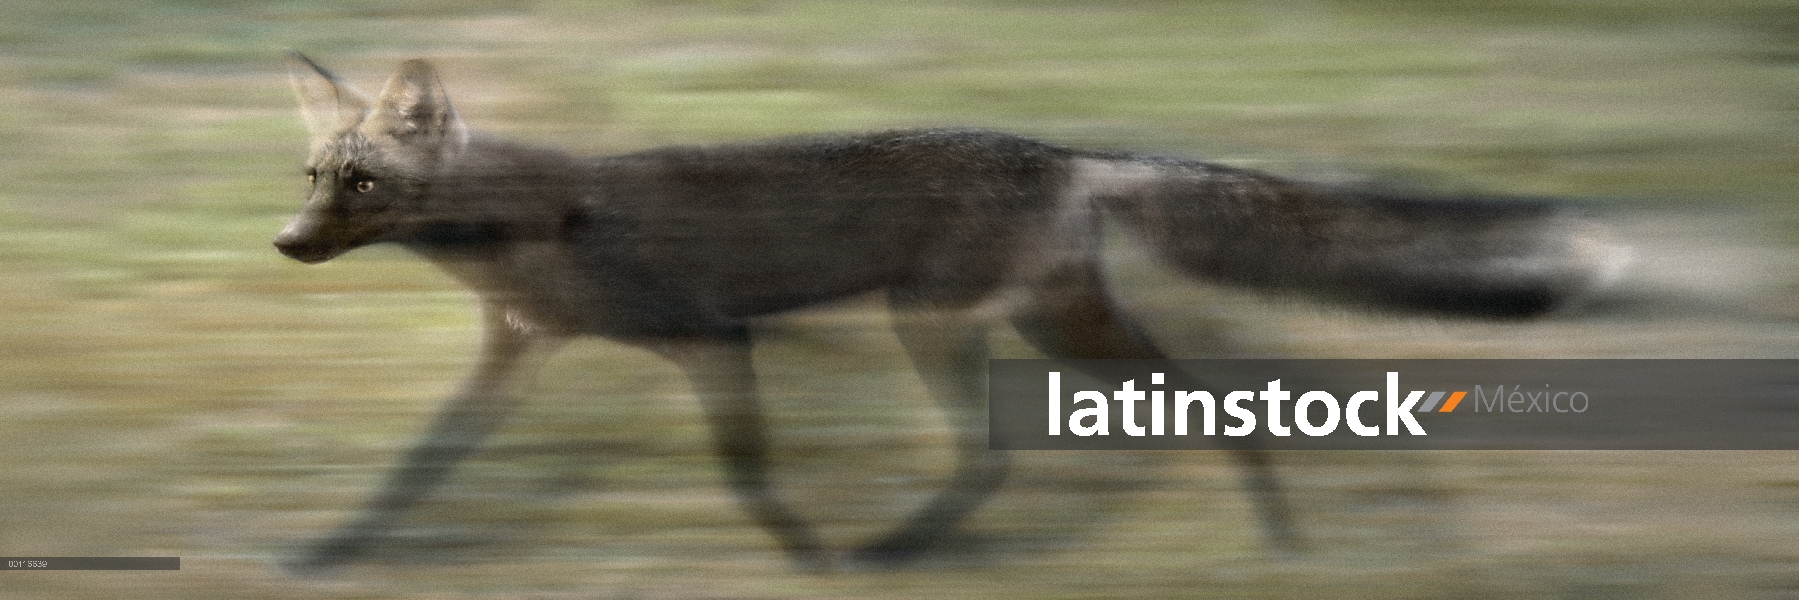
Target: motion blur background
[{"x": 170, "y": 386}]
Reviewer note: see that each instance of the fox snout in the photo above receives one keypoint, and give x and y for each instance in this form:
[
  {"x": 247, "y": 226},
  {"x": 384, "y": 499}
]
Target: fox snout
[
  {"x": 303, "y": 250},
  {"x": 301, "y": 241}
]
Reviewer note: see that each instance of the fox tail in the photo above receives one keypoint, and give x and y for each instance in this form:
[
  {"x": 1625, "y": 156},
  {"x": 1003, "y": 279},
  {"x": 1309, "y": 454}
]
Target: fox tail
[{"x": 1493, "y": 257}]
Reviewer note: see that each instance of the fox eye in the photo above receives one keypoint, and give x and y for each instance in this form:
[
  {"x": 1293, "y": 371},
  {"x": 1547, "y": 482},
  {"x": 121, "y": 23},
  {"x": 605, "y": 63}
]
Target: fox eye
[
  {"x": 312, "y": 179},
  {"x": 365, "y": 186}
]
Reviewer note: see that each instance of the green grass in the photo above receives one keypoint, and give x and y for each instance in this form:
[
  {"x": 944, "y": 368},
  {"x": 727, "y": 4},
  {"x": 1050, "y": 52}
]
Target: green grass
[{"x": 172, "y": 386}]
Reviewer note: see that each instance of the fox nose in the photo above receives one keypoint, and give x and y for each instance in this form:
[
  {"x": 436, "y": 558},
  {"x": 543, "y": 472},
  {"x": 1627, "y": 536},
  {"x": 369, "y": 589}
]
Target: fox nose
[
  {"x": 295, "y": 248},
  {"x": 301, "y": 247},
  {"x": 301, "y": 239}
]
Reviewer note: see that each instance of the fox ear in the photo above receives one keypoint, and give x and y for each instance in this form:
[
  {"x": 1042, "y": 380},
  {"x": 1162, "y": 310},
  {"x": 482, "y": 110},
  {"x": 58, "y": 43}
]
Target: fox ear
[
  {"x": 415, "y": 110},
  {"x": 328, "y": 105}
]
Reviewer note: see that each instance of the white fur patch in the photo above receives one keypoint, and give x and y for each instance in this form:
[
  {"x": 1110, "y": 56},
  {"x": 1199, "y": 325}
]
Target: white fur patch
[
  {"x": 519, "y": 323},
  {"x": 1105, "y": 177},
  {"x": 1072, "y": 237}
]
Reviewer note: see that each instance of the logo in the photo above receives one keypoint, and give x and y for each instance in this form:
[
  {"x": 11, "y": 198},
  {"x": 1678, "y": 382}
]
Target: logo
[
  {"x": 1315, "y": 413},
  {"x": 1395, "y": 404}
]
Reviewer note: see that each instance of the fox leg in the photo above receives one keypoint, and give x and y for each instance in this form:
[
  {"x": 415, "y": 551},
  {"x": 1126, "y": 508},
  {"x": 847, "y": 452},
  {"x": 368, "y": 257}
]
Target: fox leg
[
  {"x": 950, "y": 354},
  {"x": 1074, "y": 317},
  {"x": 509, "y": 352},
  {"x": 724, "y": 378}
]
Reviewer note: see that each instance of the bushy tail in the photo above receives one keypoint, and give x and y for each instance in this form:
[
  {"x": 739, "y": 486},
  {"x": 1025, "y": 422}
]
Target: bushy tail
[{"x": 1461, "y": 256}]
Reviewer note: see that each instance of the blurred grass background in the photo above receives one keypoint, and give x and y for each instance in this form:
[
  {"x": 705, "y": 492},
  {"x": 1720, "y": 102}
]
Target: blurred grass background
[{"x": 172, "y": 386}]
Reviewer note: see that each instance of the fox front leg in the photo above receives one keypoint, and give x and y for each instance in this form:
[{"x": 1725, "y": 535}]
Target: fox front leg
[
  {"x": 724, "y": 378},
  {"x": 508, "y": 354},
  {"x": 950, "y": 354}
]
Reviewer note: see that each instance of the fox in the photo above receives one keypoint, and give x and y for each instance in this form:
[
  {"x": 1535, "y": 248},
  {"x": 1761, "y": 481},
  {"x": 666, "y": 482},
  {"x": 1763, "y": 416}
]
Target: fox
[{"x": 677, "y": 250}]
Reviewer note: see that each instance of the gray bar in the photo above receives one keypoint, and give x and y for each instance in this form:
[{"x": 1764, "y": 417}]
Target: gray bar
[
  {"x": 90, "y": 563},
  {"x": 1430, "y": 403}
]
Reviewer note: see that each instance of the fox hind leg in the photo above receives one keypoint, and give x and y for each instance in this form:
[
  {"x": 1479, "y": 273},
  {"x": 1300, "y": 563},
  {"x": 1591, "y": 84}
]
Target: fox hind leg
[{"x": 1074, "y": 317}]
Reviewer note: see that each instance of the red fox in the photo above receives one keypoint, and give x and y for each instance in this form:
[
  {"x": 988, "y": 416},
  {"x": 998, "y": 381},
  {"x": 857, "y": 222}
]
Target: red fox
[{"x": 675, "y": 249}]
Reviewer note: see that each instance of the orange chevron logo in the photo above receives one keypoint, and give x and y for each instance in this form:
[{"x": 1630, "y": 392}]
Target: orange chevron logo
[{"x": 1430, "y": 402}]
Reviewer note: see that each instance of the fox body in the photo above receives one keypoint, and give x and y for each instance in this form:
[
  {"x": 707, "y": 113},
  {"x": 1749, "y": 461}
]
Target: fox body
[{"x": 674, "y": 249}]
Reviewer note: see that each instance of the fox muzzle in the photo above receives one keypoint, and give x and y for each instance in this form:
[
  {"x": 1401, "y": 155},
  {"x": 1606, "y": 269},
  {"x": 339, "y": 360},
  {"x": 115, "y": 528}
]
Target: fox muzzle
[{"x": 301, "y": 241}]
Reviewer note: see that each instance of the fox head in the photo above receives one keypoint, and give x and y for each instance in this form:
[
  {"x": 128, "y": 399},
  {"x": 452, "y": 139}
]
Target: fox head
[{"x": 369, "y": 158}]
